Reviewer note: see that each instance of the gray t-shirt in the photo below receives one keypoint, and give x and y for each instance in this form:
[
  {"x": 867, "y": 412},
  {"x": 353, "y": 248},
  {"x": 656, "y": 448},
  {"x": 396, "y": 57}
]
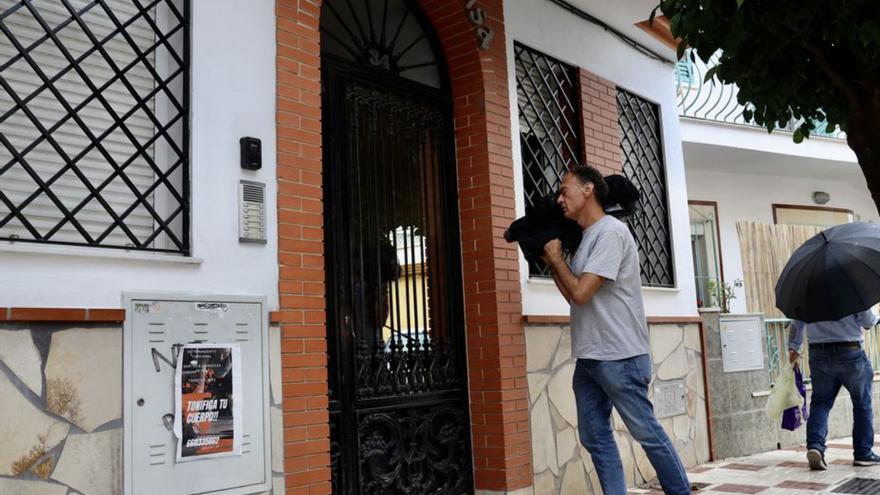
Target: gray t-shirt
[{"x": 612, "y": 324}]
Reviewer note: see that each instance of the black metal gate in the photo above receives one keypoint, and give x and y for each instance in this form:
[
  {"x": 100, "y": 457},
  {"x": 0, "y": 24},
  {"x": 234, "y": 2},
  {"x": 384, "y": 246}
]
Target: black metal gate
[{"x": 398, "y": 388}]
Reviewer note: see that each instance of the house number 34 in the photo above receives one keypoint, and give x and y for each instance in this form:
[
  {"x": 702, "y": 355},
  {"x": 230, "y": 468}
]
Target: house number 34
[{"x": 477, "y": 17}]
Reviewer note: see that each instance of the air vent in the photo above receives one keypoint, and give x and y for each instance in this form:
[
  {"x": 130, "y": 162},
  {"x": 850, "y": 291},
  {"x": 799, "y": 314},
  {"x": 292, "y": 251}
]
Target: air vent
[{"x": 252, "y": 212}]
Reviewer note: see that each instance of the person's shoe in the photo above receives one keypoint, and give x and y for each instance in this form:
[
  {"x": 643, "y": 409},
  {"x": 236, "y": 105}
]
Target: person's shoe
[
  {"x": 816, "y": 460},
  {"x": 872, "y": 460}
]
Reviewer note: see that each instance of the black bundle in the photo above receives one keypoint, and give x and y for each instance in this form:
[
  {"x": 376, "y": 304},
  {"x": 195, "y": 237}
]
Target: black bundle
[{"x": 545, "y": 220}]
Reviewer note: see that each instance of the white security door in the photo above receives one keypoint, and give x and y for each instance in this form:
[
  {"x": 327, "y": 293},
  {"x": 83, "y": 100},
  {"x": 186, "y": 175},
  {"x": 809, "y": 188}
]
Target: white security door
[{"x": 155, "y": 328}]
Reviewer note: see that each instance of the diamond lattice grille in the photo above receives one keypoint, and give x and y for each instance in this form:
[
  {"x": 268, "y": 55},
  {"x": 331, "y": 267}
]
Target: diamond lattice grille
[
  {"x": 642, "y": 147},
  {"x": 93, "y": 123},
  {"x": 550, "y": 131}
]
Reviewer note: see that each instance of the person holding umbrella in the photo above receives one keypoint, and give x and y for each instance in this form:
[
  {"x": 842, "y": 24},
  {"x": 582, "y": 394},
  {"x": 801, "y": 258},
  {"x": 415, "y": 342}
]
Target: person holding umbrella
[
  {"x": 828, "y": 287},
  {"x": 837, "y": 359}
]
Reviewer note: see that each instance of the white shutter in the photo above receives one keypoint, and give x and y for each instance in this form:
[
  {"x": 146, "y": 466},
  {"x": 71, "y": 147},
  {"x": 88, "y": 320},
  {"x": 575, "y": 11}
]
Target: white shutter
[{"x": 17, "y": 184}]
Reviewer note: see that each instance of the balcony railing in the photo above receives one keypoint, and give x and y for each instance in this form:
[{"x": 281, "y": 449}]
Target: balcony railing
[
  {"x": 717, "y": 102},
  {"x": 777, "y": 348}
]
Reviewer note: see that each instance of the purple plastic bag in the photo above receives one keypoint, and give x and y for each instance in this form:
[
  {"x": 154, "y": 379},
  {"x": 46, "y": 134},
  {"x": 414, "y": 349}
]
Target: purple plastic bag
[{"x": 794, "y": 417}]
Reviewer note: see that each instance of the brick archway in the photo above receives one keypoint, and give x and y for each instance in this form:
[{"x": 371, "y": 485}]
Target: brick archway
[{"x": 495, "y": 340}]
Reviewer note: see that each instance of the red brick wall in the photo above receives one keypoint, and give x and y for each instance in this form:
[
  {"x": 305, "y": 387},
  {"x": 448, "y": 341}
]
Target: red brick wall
[
  {"x": 599, "y": 113},
  {"x": 493, "y": 302},
  {"x": 495, "y": 340}
]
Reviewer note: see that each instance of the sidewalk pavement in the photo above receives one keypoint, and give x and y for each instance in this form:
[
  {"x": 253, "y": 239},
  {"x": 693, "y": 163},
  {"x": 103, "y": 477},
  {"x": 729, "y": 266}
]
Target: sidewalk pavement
[{"x": 783, "y": 472}]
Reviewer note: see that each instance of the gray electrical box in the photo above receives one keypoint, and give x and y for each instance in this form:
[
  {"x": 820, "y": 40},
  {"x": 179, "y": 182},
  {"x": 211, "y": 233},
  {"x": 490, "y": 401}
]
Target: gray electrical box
[
  {"x": 156, "y": 326},
  {"x": 742, "y": 342}
]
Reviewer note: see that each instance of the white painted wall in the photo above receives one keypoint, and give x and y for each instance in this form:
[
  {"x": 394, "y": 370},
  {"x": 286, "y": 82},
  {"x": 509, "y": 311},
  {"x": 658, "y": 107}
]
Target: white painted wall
[
  {"x": 758, "y": 139},
  {"x": 550, "y": 29},
  {"x": 233, "y": 95},
  {"x": 746, "y": 185}
]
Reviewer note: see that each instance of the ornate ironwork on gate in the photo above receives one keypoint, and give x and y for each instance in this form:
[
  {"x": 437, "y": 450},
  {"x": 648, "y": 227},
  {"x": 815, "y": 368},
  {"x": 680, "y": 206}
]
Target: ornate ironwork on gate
[
  {"x": 398, "y": 390},
  {"x": 642, "y": 147},
  {"x": 550, "y": 131},
  {"x": 94, "y": 126}
]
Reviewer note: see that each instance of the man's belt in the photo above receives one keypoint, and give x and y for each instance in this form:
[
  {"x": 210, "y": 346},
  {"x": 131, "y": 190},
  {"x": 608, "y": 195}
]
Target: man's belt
[{"x": 828, "y": 346}]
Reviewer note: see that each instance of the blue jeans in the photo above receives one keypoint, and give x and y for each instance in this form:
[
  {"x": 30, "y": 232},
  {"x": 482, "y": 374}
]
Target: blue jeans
[
  {"x": 599, "y": 385},
  {"x": 829, "y": 369}
]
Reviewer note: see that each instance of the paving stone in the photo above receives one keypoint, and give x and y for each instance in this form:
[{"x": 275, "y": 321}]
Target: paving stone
[
  {"x": 700, "y": 469},
  {"x": 543, "y": 440},
  {"x": 666, "y": 339},
  {"x": 674, "y": 366},
  {"x": 566, "y": 445},
  {"x": 84, "y": 376},
  {"x": 563, "y": 351},
  {"x": 744, "y": 467},
  {"x": 18, "y": 352},
  {"x": 777, "y": 471},
  {"x": 541, "y": 344},
  {"x": 23, "y": 487},
  {"x": 803, "y": 485},
  {"x": 739, "y": 488},
  {"x": 26, "y": 432},
  {"x": 537, "y": 383},
  {"x": 92, "y": 463},
  {"x": 561, "y": 395},
  {"x": 574, "y": 481}
]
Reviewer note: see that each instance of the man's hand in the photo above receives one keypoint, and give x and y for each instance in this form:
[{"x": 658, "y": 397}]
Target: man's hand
[
  {"x": 552, "y": 252},
  {"x": 793, "y": 357}
]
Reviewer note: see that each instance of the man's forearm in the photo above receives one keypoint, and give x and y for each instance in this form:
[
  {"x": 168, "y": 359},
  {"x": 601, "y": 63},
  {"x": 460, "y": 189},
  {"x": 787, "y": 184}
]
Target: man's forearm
[
  {"x": 566, "y": 280},
  {"x": 559, "y": 284}
]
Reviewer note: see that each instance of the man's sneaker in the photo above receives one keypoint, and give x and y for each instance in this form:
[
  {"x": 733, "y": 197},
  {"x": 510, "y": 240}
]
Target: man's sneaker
[
  {"x": 816, "y": 460},
  {"x": 872, "y": 460}
]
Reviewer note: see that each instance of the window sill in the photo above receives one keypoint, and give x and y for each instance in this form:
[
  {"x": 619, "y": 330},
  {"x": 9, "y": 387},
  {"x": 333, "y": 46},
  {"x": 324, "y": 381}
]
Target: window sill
[
  {"x": 91, "y": 252},
  {"x": 661, "y": 289},
  {"x": 547, "y": 281}
]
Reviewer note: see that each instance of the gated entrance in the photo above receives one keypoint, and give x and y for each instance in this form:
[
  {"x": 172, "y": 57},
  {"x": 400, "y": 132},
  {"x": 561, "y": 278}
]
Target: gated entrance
[{"x": 398, "y": 387}]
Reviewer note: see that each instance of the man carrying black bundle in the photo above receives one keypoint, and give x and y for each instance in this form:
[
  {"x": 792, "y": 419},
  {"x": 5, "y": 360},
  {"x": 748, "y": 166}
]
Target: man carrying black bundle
[{"x": 609, "y": 336}]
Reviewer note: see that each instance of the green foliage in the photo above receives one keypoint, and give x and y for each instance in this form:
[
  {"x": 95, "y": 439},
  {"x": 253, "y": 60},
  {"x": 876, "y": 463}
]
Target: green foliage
[
  {"x": 723, "y": 293},
  {"x": 809, "y": 61}
]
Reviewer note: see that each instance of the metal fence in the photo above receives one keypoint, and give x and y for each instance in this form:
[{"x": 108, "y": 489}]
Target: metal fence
[
  {"x": 777, "y": 348},
  {"x": 718, "y": 102}
]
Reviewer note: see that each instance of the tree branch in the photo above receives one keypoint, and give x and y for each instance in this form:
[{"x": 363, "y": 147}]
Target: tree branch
[{"x": 834, "y": 74}]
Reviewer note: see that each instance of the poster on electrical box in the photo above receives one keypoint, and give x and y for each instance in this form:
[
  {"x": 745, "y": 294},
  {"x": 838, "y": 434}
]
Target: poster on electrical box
[{"x": 207, "y": 393}]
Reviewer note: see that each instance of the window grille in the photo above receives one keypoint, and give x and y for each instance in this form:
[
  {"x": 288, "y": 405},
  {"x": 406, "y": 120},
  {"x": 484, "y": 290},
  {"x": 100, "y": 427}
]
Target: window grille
[
  {"x": 642, "y": 148},
  {"x": 549, "y": 123},
  {"x": 94, "y": 123}
]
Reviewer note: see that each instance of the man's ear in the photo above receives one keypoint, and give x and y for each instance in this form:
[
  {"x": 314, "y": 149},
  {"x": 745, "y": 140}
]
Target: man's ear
[{"x": 588, "y": 189}]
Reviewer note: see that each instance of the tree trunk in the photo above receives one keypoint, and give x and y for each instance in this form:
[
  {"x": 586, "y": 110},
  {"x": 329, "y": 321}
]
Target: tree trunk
[{"x": 863, "y": 136}]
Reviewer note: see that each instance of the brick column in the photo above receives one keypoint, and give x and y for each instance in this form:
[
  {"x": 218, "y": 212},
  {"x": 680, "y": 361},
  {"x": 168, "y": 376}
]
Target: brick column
[
  {"x": 495, "y": 339},
  {"x": 301, "y": 250},
  {"x": 493, "y": 300},
  {"x": 599, "y": 113}
]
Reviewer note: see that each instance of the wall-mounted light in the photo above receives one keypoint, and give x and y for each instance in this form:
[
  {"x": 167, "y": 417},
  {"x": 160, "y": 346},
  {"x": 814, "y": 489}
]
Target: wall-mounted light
[{"x": 821, "y": 197}]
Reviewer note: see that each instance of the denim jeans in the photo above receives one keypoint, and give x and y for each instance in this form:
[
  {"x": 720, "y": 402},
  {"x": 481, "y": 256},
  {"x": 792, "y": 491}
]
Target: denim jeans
[
  {"x": 599, "y": 385},
  {"x": 829, "y": 369}
]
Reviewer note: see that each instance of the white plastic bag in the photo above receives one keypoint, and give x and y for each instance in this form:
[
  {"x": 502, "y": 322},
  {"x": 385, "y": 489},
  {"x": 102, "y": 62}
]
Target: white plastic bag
[{"x": 784, "y": 394}]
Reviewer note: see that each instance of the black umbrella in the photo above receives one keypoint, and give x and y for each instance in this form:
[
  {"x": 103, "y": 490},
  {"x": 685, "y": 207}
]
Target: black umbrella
[{"x": 832, "y": 275}]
